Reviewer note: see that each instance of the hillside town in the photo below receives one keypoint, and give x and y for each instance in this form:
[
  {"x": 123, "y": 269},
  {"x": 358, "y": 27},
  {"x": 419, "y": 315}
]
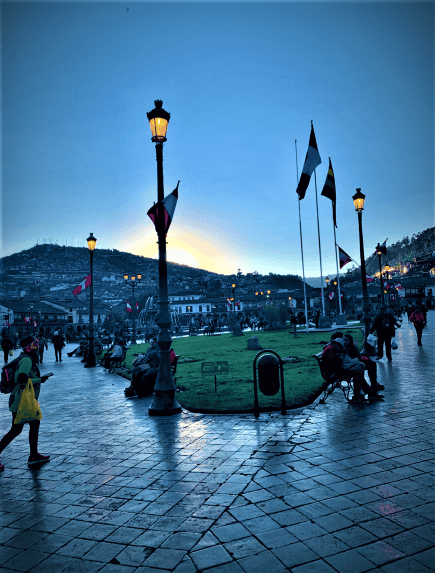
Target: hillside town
[{"x": 36, "y": 289}]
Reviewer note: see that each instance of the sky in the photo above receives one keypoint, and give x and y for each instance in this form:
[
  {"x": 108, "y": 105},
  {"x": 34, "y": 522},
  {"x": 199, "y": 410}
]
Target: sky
[{"x": 242, "y": 82}]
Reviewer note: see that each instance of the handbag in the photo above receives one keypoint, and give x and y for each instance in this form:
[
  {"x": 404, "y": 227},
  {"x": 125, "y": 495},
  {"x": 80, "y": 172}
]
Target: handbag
[
  {"x": 28, "y": 408},
  {"x": 394, "y": 344}
]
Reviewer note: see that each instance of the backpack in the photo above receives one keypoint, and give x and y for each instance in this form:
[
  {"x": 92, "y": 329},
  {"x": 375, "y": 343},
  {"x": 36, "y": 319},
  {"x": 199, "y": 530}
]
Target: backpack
[
  {"x": 386, "y": 322},
  {"x": 7, "y": 382}
]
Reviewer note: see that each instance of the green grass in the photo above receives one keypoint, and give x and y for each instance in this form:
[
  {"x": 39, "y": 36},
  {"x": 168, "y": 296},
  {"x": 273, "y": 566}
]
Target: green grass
[{"x": 235, "y": 391}]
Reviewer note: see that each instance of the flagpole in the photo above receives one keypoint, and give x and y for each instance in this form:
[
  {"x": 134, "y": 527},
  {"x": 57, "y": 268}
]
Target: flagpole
[
  {"x": 320, "y": 250},
  {"x": 336, "y": 264},
  {"x": 300, "y": 231}
]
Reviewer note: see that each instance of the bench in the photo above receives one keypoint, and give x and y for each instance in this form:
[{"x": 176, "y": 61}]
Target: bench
[
  {"x": 116, "y": 362},
  {"x": 333, "y": 382},
  {"x": 129, "y": 392}
]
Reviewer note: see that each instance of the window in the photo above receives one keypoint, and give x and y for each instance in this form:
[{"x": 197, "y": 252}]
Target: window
[
  {"x": 200, "y": 308},
  {"x": 189, "y": 309},
  {"x": 208, "y": 308}
]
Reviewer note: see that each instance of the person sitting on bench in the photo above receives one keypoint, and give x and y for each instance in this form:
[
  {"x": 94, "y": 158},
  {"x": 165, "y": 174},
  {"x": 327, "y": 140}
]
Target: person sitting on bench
[
  {"x": 116, "y": 351},
  {"x": 371, "y": 366},
  {"x": 338, "y": 364}
]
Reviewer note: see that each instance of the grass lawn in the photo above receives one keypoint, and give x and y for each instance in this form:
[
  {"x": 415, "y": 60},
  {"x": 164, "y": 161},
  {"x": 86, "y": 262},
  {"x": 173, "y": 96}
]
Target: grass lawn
[{"x": 235, "y": 390}]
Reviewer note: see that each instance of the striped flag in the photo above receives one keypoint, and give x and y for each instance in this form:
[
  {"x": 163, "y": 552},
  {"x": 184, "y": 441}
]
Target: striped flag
[
  {"x": 312, "y": 160},
  {"x": 137, "y": 306},
  {"x": 86, "y": 282},
  {"x": 369, "y": 278},
  {"x": 169, "y": 203},
  {"x": 329, "y": 191},
  {"x": 331, "y": 295},
  {"x": 128, "y": 309},
  {"x": 344, "y": 257}
]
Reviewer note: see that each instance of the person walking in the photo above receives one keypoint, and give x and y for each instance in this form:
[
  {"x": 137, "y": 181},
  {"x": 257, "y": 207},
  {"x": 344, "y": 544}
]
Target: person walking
[
  {"x": 58, "y": 343},
  {"x": 384, "y": 325},
  {"x": 43, "y": 345},
  {"x": 28, "y": 368},
  {"x": 6, "y": 345},
  {"x": 418, "y": 319}
]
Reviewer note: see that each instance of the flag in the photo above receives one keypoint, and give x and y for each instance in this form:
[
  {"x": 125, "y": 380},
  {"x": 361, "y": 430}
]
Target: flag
[
  {"x": 383, "y": 248},
  {"x": 128, "y": 309},
  {"x": 86, "y": 282},
  {"x": 399, "y": 286},
  {"x": 343, "y": 257},
  {"x": 331, "y": 295},
  {"x": 137, "y": 306},
  {"x": 229, "y": 303},
  {"x": 369, "y": 278},
  {"x": 237, "y": 303},
  {"x": 312, "y": 160},
  {"x": 169, "y": 204},
  {"x": 329, "y": 191},
  {"x": 387, "y": 286}
]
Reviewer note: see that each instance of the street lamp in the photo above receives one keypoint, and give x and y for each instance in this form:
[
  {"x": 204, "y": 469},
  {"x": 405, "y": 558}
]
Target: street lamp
[
  {"x": 90, "y": 362},
  {"x": 358, "y": 200},
  {"x": 379, "y": 253},
  {"x": 132, "y": 282},
  {"x": 329, "y": 300},
  {"x": 165, "y": 403},
  {"x": 234, "y": 301},
  {"x": 335, "y": 294}
]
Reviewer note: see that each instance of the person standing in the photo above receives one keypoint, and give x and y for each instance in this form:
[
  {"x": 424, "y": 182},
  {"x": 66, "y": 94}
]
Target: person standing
[
  {"x": 6, "y": 347},
  {"x": 418, "y": 319},
  {"x": 28, "y": 368},
  {"x": 384, "y": 325},
  {"x": 58, "y": 345},
  {"x": 43, "y": 345}
]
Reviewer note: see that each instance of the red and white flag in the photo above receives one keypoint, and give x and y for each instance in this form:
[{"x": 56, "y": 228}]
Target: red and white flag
[
  {"x": 237, "y": 303},
  {"x": 128, "y": 309},
  {"x": 229, "y": 303},
  {"x": 369, "y": 278},
  {"x": 343, "y": 257},
  {"x": 399, "y": 286},
  {"x": 169, "y": 203},
  {"x": 137, "y": 306},
  {"x": 331, "y": 295},
  {"x": 86, "y": 282}
]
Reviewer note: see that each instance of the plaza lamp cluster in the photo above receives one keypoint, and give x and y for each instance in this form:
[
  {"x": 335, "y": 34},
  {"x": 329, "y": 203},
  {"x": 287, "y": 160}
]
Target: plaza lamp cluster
[{"x": 131, "y": 281}]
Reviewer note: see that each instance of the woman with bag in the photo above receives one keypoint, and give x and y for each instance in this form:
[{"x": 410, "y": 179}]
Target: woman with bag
[
  {"x": 418, "y": 319},
  {"x": 27, "y": 370}
]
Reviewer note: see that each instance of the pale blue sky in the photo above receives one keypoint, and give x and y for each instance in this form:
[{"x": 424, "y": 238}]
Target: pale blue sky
[{"x": 242, "y": 81}]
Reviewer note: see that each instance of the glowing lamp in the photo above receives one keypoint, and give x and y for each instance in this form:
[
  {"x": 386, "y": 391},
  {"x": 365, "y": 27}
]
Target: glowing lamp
[
  {"x": 92, "y": 241},
  {"x": 358, "y": 200},
  {"x": 233, "y": 285},
  {"x": 139, "y": 277},
  {"x": 126, "y": 276},
  {"x": 133, "y": 278},
  {"x": 159, "y": 119},
  {"x": 327, "y": 280}
]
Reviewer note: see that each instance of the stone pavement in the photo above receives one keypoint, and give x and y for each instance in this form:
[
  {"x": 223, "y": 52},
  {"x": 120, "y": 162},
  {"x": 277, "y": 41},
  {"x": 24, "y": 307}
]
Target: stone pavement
[{"x": 333, "y": 487}]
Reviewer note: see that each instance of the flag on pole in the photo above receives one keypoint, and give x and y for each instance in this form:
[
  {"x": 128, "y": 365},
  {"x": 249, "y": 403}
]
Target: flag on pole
[
  {"x": 137, "y": 306},
  {"x": 86, "y": 282},
  {"x": 312, "y": 160},
  {"x": 169, "y": 203},
  {"x": 329, "y": 190},
  {"x": 369, "y": 278},
  {"x": 387, "y": 286},
  {"x": 331, "y": 295},
  {"x": 128, "y": 309},
  {"x": 344, "y": 257},
  {"x": 229, "y": 303},
  {"x": 237, "y": 303},
  {"x": 399, "y": 286}
]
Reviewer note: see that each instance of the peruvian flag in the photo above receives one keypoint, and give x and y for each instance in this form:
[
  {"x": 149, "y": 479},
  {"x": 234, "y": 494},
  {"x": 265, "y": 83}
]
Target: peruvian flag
[
  {"x": 369, "y": 278},
  {"x": 343, "y": 257},
  {"x": 331, "y": 295},
  {"x": 387, "y": 286},
  {"x": 86, "y": 282},
  {"x": 128, "y": 309},
  {"x": 237, "y": 303},
  {"x": 229, "y": 303},
  {"x": 169, "y": 203},
  {"x": 27, "y": 319},
  {"x": 399, "y": 286},
  {"x": 137, "y": 306},
  {"x": 312, "y": 160}
]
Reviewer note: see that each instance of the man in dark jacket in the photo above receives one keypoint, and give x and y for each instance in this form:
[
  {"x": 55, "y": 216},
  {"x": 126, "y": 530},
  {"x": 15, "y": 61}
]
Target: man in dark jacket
[
  {"x": 384, "y": 324},
  {"x": 6, "y": 346}
]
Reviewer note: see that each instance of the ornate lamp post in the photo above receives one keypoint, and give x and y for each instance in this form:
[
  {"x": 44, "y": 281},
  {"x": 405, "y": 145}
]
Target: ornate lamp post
[
  {"x": 329, "y": 302},
  {"x": 335, "y": 293},
  {"x": 132, "y": 282},
  {"x": 90, "y": 362},
  {"x": 358, "y": 200},
  {"x": 165, "y": 403},
  {"x": 379, "y": 253}
]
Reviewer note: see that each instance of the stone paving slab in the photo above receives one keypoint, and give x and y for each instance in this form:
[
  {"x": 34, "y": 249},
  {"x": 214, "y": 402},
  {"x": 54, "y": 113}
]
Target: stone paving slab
[{"x": 329, "y": 488}]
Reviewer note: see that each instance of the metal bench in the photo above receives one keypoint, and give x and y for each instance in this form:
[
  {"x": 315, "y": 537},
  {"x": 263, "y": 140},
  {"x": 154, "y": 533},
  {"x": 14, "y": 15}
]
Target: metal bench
[{"x": 333, "y": 382}]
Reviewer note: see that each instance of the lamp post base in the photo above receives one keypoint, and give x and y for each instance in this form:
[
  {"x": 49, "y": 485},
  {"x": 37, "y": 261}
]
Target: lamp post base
[
  {"x": 165, "y": 404},
  {"x": 341, "y": 319}
]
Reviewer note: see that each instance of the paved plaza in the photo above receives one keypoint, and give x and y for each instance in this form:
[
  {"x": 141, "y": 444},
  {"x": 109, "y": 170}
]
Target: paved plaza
[{"x": 333, "y": 487}]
